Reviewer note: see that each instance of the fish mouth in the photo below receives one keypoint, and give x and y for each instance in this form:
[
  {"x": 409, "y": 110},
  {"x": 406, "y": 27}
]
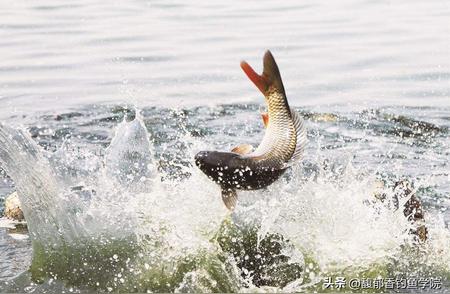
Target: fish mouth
[
  {"x": 214, "y": 164},
  {"x": 200, "y": 158}
]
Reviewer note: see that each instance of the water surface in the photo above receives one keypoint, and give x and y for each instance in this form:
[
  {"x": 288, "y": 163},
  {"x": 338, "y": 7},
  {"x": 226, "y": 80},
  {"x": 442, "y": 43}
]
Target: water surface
[{"x": 371, "y": 79}]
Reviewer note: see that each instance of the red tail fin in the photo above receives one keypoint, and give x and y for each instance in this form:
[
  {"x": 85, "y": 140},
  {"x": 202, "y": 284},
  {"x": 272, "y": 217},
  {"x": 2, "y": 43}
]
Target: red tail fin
[{"x": 270, "y": 76}]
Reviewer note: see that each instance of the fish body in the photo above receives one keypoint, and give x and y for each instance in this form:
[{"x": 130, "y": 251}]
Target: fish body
[
  {"x": 232, "y": 170},
  {"x": 282, "y": 145}
]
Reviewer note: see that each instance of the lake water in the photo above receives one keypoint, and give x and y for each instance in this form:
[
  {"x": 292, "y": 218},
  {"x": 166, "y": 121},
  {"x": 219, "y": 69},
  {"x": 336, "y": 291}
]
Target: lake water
[
  {"x": 371, "y": 78},
  {"x": 171, "y": 52}
]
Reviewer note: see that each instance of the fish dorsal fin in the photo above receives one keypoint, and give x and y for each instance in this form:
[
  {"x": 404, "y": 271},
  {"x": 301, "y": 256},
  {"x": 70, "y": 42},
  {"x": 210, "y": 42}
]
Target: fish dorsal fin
[
  {"x": 265, "y": 118},
  {"x": 270, "y": 78},
  {"x": 229, "y": 197},
  {"x": 243, "y": 149},
  {"x": 301, "y": 137}
]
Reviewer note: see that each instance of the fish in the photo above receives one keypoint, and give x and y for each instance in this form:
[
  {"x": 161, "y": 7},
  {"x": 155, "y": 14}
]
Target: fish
[{"x": 283, "y": 144}]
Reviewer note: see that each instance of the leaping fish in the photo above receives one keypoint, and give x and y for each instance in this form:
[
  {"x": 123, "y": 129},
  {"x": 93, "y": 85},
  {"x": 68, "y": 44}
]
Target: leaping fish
[{"x": 246, "y": 168}]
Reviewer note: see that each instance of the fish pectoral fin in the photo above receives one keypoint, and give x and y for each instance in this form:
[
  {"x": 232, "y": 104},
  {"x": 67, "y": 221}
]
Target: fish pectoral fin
[
  {"x": 243, "y": 149},
  {"x": 229, "y": 197}
]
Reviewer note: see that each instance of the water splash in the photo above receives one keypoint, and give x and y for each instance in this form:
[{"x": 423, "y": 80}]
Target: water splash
[
  {"x": 112, "y": 209},
  {"x": 129, "y": 159},
  {"x": 36, "y": 185}
]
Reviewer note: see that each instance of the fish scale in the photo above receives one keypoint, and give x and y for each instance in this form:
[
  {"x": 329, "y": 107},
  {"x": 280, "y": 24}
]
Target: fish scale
[{"x": 279, "y": 142}]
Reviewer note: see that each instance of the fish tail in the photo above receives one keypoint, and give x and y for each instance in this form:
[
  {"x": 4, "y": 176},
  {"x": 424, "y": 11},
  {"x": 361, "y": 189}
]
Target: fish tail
[{"x": 269, "y": 79}]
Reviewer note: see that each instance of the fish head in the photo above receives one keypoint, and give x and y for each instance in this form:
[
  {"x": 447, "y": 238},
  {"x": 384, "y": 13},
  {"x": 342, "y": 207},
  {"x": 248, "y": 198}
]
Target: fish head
[{"x": 215, "y": 164}]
